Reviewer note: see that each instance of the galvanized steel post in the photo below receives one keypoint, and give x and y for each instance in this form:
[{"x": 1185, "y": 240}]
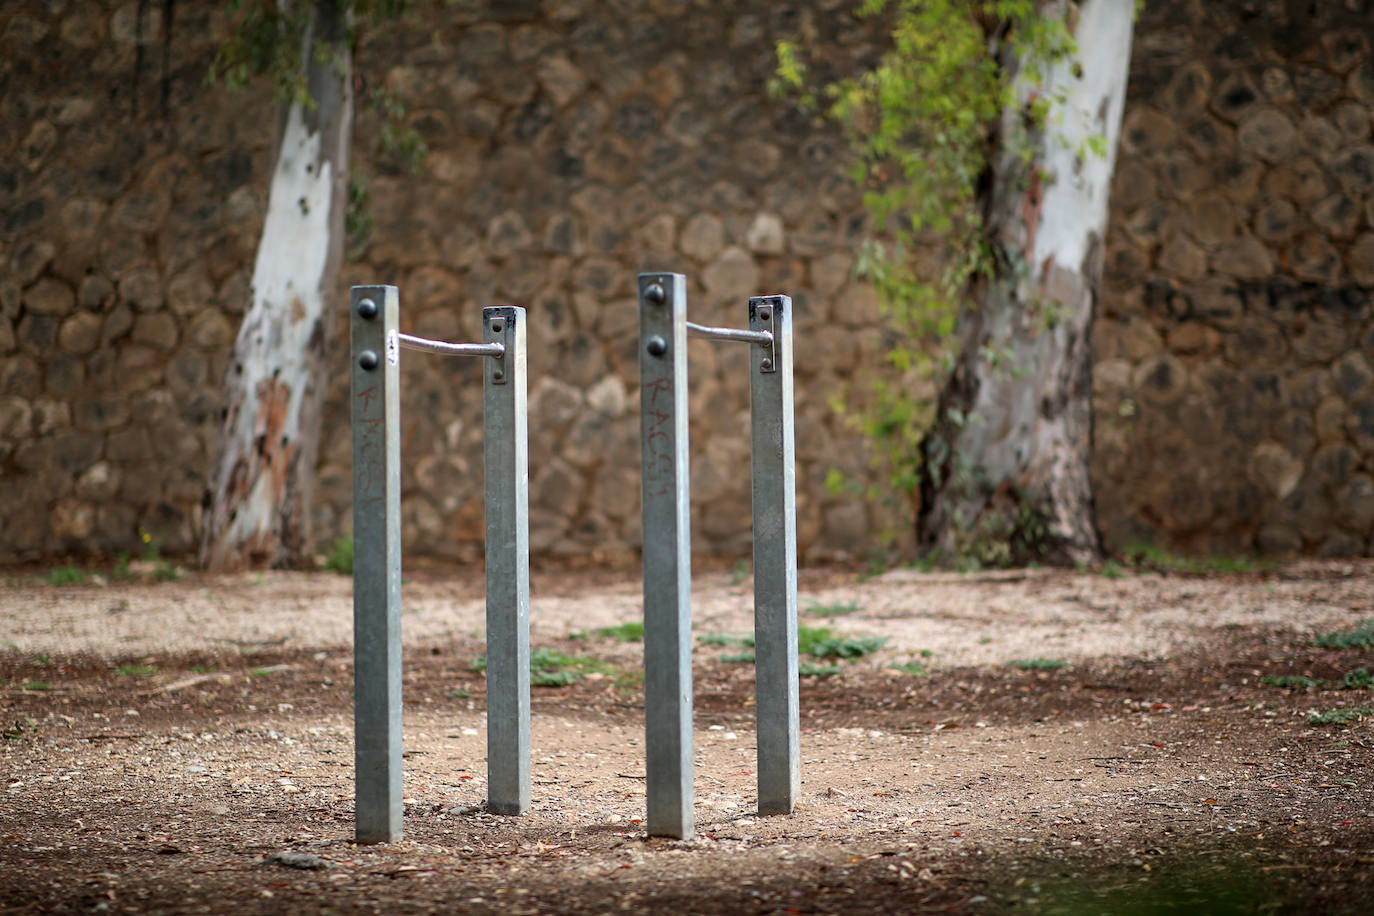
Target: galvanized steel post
[
  {"x": 667, "y": 554},
  {"x": 775, "y": 557},
  {"x": 505, "y": 437},
  {"x": 375, "y": 395}
]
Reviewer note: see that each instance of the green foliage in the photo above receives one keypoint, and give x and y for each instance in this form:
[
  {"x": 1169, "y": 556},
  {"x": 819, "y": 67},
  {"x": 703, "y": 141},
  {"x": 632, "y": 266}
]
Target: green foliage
[
  {"x": 740, "y": 572},
  {"x": 913, "y": 668},
  {"x": 18, "y": 728},
  {"x": 1359, "y": 679},
  {"x": 720, "y": 639},
  {"x": 624, "y": 632},
  {"x": 810, "y": 637},
  {"x": 1159, "y": 559},
  {"x": 66, "y": 575},
  {"x": 834, "y": 609},
  {"x": 1290, "y": 681},
  {"x": 810, "y": 669},
  {"x": 1344, "y": 716},
  {"x": 738, "y": 658},
  {"x": 849, "y": 647},
  {"x": 37, "y": 685},
  {"x": 135, "y": 671},
  {"x": 1037, "y": 664},
  {"x": 1362, "y": 637},
  {"x": 340, "y": 558},
  {"x": 921, "y": 124},
  {"x": 120, "y": 570}
]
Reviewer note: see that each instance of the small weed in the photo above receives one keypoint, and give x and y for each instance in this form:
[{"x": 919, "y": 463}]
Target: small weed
[
  {"x": 42, "y": 658},
  {"x": 810, "y": 669},
  {"x": 985, "y": 640},
  {"x": 201, "y": 669},
  {"x": 19, "y": 727},
  {"x": 260, "y": 672},
  {"x": 810, "y": 637},
  {"x": 66, "y": 575},
  {"x": 479, "y": 663},
  {"x": 1359, "y": 679},
  {"x": 913, "y": 668},
  {"x": 1112, "y": 570},
  {"x": 1362, "y": 637},
  {"x": 1290, "y": 681},
  {"x": 1037, "y": 664},
  {"x": 625, "y": 632},
  {"x": 459, "y": 694},
  {"x": 1340, "y": 716},
  {"x": 1158, "y": 559},
  {"x": 720, "y": 639},
  {"x": 740, "y": 572},
  {"x": 849, "y": 647},
  {"x": 135, "y": 671},
  {"x": 738, "y": 658},
  {"x": 120, "y": 570},
  {"x": 37, "y": 685},
  {"x": 834, "y": 609},
  {"x": 340, "y": 557},
  {"x": 548, "y": 677}
]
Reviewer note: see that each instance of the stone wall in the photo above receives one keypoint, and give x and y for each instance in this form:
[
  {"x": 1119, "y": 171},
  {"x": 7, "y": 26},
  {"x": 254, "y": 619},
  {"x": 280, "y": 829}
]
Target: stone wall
[
  {"x": 576, "y": 142},
  {"x": 1234, "y": 375},
  {"x": 572, "y": 145}
]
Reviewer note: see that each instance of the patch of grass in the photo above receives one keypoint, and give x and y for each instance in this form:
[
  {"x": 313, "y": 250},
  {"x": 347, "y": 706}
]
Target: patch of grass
[
  {"x": 1159, "y": 559},
  {"x": 834, "y": 609},
  {"x": 738, "y": 658},
  {"x": 340, "y": 556},
  {"x": 810, "y": 669},
  {"x": 1290, "y": 681},
  {"x": 913, "y": 668},
  {"x": 120, "y": 570},
  {"x": 810, "y": 637},
  {"x": 459, "y": 694},
  {"x": 551, "y": 668},
  {"x": 1340, "y": 716},
  {"x": 847, "y": 647},
  {"x": 135, "y": 671},
  {"x": 624, "y": 632},
  {"x": 740, "y": 572},
  {"x": 479, "y": 663},
  {"x": 1359, "y": 679},
  {"x": 66, "y": 575},
  {"x": 1362, "y": 637},
  {"x": 42, "y": 658},
  {"x": 260, "y": 672},
  {"x": 1037, "y": 664},
  {"x": 721, "y": 639},
  {"x": 17, "y": 730},
  {"x": 37, "y": 685},
  {"x": 1112, "y": 570}
]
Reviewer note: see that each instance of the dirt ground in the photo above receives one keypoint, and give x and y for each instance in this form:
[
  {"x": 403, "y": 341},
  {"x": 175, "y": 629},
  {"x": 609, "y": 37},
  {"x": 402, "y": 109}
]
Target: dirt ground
[{"x": 186, "y": 746}]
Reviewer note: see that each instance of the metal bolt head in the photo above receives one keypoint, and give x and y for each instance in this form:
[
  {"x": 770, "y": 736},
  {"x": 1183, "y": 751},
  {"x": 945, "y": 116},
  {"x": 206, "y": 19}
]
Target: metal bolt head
[
  {"x": 765, "y": 313},
  {"x": 655, "y": 293},
  {"x": 367, "y": 309},
  {"x": 497, "y": 373},
  {"x": 766, "y": 364},
  {"x": 368, "y": 360},
  {"x": 498, "y": 325},
  {"x": 657, "y": 346}
]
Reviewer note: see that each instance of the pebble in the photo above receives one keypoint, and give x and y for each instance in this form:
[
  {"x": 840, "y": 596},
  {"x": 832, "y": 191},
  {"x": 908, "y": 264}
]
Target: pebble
[
  {"x": 196, "y": 768},
  {"x": 303, "y": 860}
]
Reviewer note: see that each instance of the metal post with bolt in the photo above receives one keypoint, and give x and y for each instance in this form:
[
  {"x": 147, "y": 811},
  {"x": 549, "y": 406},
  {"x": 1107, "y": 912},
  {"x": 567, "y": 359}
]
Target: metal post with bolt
[
  {"x": 772, "y": 450},
  {"x": 376, "y": 409},
  {"x": 667, "y": 555},
  {"x": 376, "y": 345}
]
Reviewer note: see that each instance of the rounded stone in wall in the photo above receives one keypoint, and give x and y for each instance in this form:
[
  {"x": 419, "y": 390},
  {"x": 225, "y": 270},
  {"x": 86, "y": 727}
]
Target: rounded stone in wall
[
  {"x": 1315, "y": 259},
  {"x": 1352, "y": 120},
  {"x": 1360, "y": 260},
  {"x": 1189, "y": 87},
  {"x": 49, "y": 297},
  {"x": 1245, "y": 258},
  {"x": 1321, "y": 339},
  {"x": 1183, "y": 258},
  {"x": 1337, "y": 215},
  {"x": 1343, "y": 49},
  {"x": 1355, "y": 504},
  {"x": 1211, "y": 220},
  {"x": 1332, "y": 465},
  {"x": 1359, "y": 425},
  {"x": 1329, "y": 425},
  {"x": 1354, "y": 169},
  {"x": 1160, "y": 380},
  {"x": 1303, "y": 181},
  {"x": 1235, "y": 96},
  {"x": 1268, "y": 134},
  {"x": 1353, "y": 376}
]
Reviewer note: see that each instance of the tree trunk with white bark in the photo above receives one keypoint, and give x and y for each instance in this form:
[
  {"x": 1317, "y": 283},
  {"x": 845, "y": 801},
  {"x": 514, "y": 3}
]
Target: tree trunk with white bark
[
  {"x": 258, "y": 500},
  {"x": 1006, "y": 474}
]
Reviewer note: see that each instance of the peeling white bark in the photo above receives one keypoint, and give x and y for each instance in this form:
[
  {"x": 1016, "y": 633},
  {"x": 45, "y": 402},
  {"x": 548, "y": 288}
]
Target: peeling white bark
[
  {"x": 1024, "y": 375},
  {"x": 259, "y": 494}
]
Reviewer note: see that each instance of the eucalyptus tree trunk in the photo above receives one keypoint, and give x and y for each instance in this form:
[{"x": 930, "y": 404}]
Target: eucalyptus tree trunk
[
  {"x": 1006, "y": 475},
  {"x": 258, "y": 501}
]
